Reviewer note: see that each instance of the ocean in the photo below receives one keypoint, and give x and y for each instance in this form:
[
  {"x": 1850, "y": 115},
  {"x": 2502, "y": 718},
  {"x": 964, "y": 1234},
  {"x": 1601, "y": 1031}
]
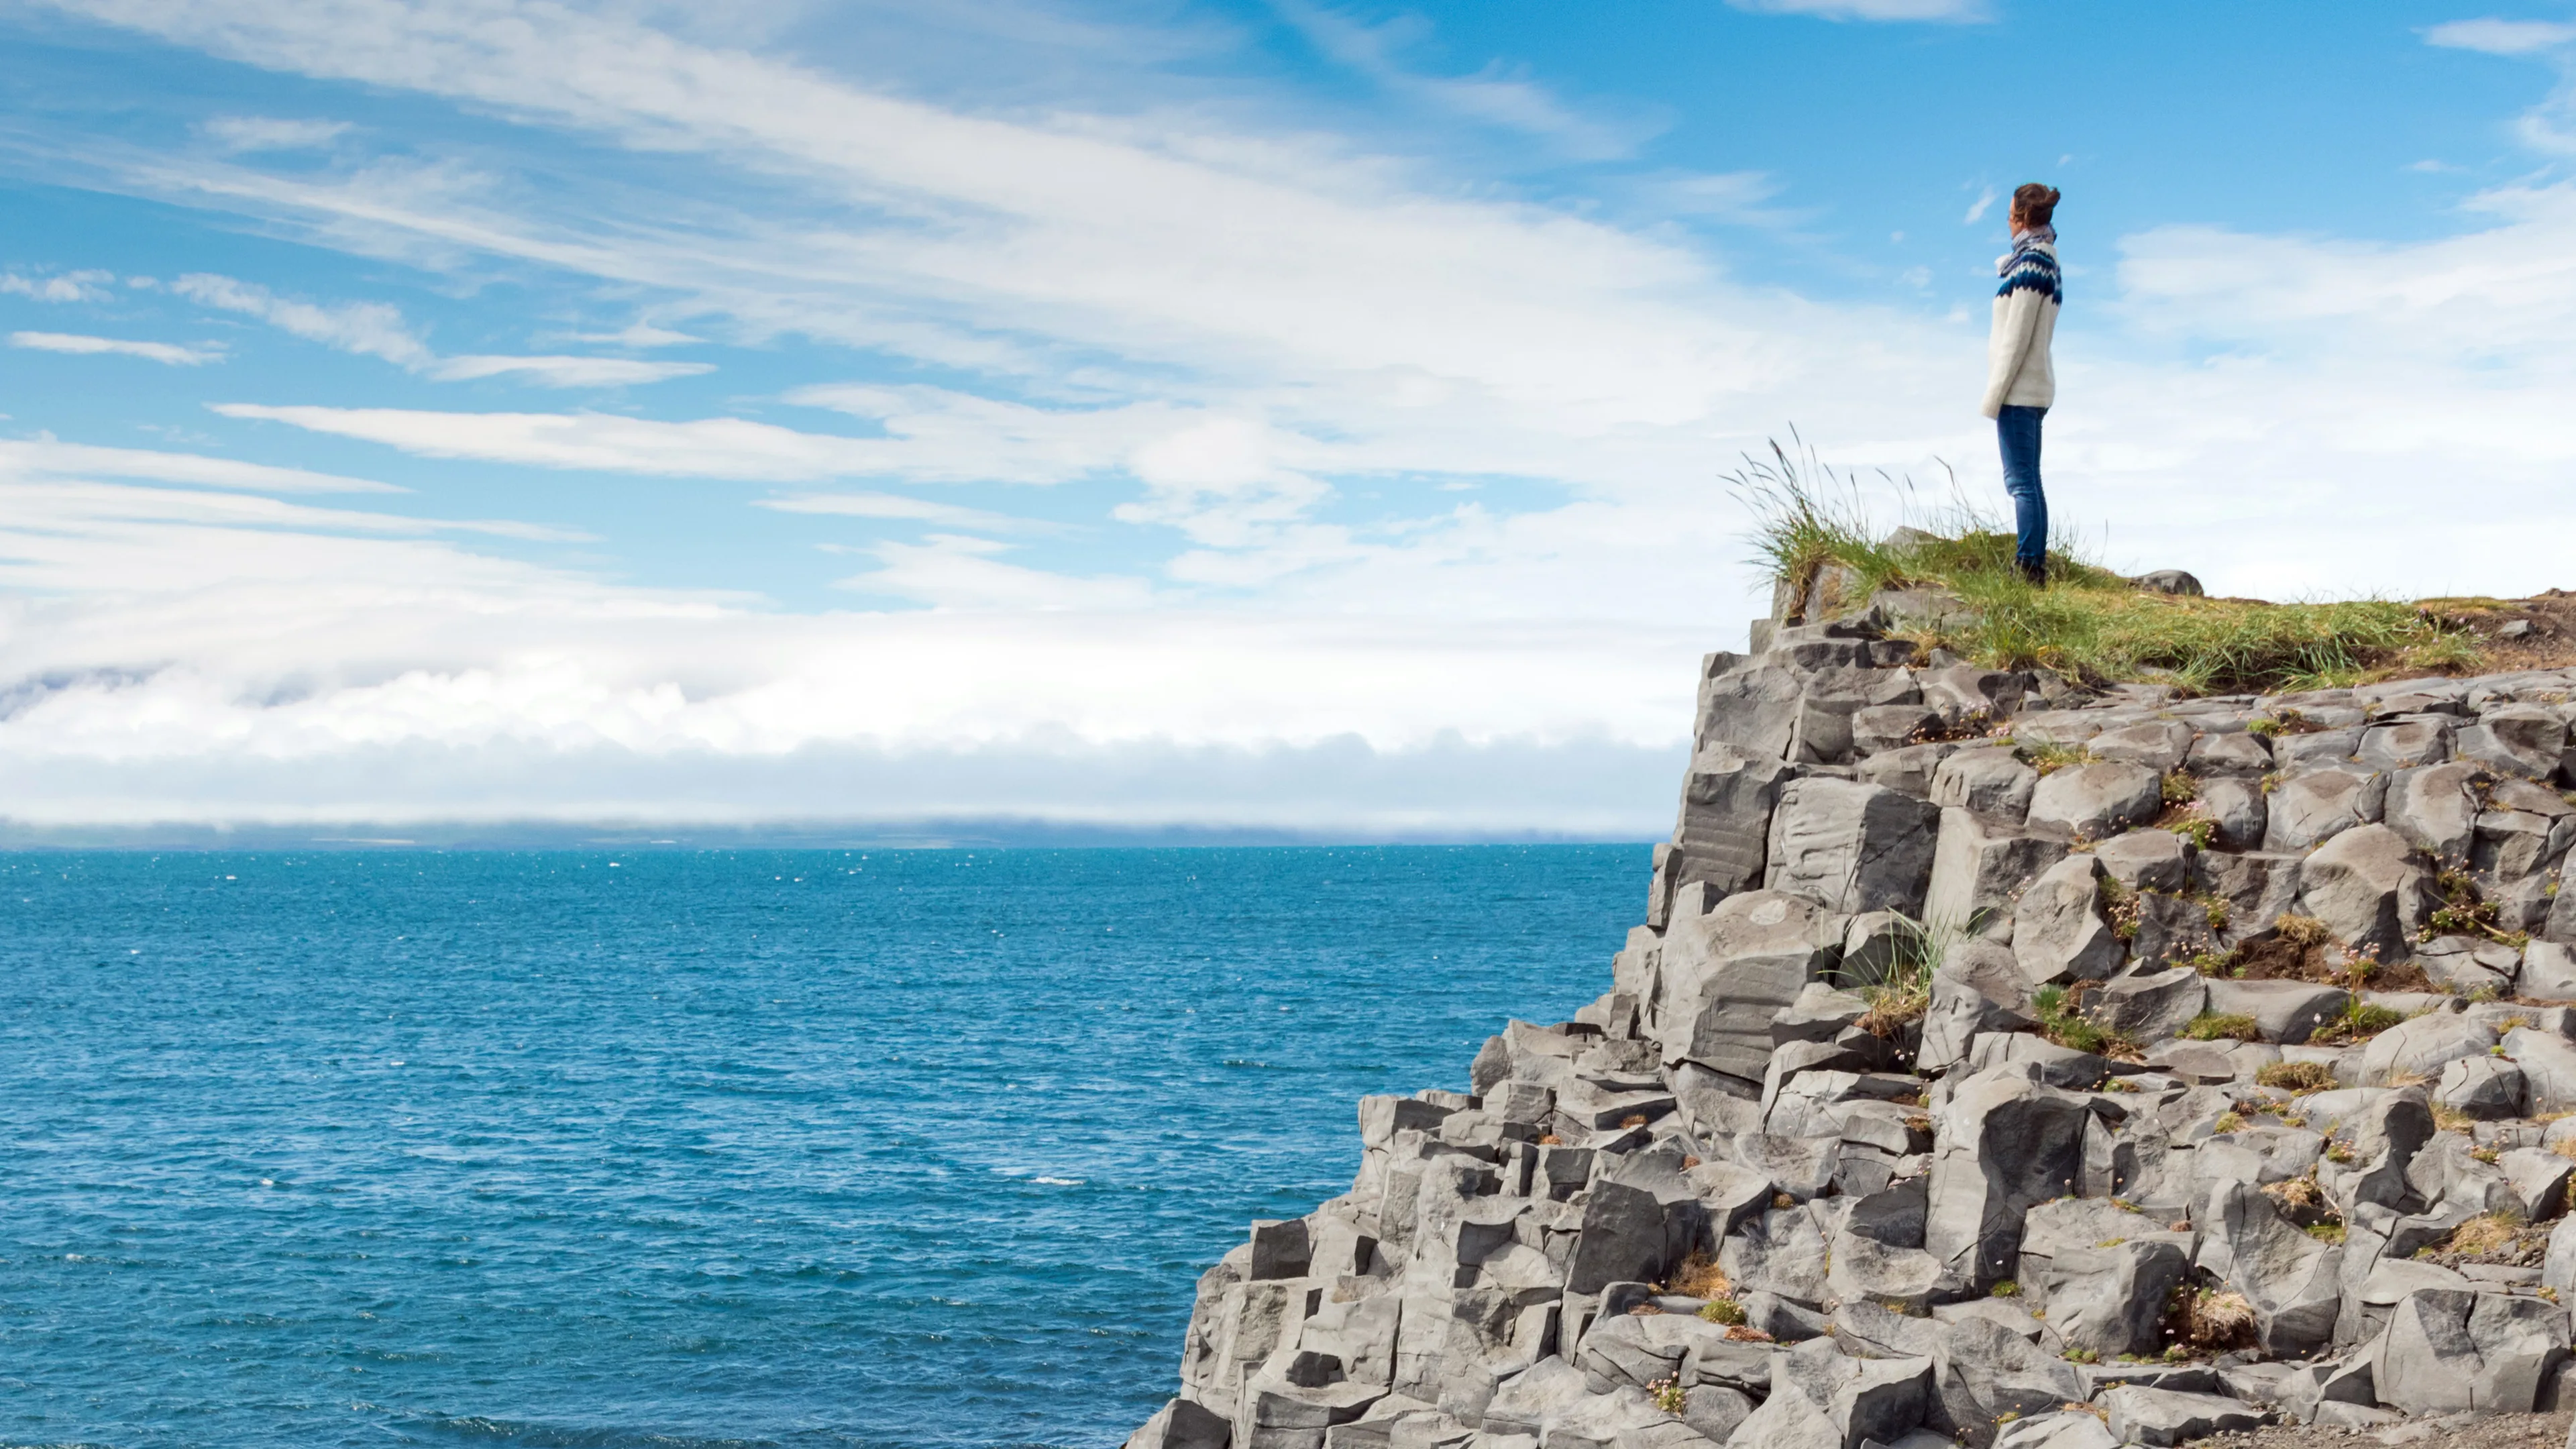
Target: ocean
[{"x": 666, "y": 1148}]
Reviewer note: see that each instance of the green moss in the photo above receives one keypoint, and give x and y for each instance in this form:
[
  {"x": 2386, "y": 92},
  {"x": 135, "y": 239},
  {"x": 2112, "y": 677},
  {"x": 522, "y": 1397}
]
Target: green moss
[{"x": 2223, "y": 1026}]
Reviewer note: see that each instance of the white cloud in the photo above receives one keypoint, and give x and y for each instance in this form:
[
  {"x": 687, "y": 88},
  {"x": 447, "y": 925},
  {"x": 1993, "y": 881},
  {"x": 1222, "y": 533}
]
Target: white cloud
[
  {"x": 82, "y": 286},
  {"x": 707, "y": 448},
  {"x": 369, "y": 329},
  {"x": 47, "y": 458},
  {"x": 1950, "y": 10},
  {"x": 167, "y": 353},
  {"x": 376, "y": 329},
  {"x": 1491, "y": 98},
  {"x": 1978, "y": 208},
  {"x": 272, "y": 133},
  {"x": 638, "y": 334},
  {"x": 2501, "y": 37},
  {"x": 898, "y": 507},
  {"x": 567, "y": 371}
]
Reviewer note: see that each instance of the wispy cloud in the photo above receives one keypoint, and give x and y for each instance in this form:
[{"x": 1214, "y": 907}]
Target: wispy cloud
[
  {"x": 1492, "y": 97},
  {"x": 707, "y": 448},
  {"x": 48, "y": 458},
  {"x": 567, "y": 371},
  {"x": 1941, "y": 10},
  {"x": 272, "y": 133},
  {"x": 89, "y": 285},
  {"x": 377, "y": 329},
  {"x": 167, "y": 353},
  {"x": 896, "y": 506},
  {"x": 1978, "y": 208},
  {"x": 2501, "y": 37},
  {"x": 369, "y": 329}
]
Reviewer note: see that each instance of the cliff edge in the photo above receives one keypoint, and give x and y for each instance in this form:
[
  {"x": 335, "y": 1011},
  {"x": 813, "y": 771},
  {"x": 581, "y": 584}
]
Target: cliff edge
[{"x": 2001, "y": 1061}]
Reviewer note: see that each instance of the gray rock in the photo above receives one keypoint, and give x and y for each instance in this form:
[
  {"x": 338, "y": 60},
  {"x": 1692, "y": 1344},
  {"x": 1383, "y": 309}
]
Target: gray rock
[
  {"x": 2235, "y": 753},
  {"x": 2406, "y": 744},
  {"x": 1780, "y": 1252},
  {"x": 1276, "y": 1414},
  {"x": 1866, "y": 1399},
  {"x": 2158, "y": 744},
  {"x": 1879, "y": 728},
  {"x": 2558, "y": 1268},
  {"x": 2287, "y": 1277},
  {"x": 2517, "y": 844},
  {"x": 2292, "y": 753},
  {"x": 2059, "y": 933},
  {"x": 1963, "y": 691},
  {"x": 2033, "y": 1057},
  {"x": 1822, "y": 1012},
  {"x": 2062, "y": 1430},
  {"x": 2450, "y": 1350},
  {"x": 2365, "y": 885},
  {"x": 2149, "y": 1006},
  {"x": 2517, "y": 739},
  {"x": 1633, "y": 1230},
  {"x": 2436, "y": 809},
  {"x": 1992, "y": 782},
  {"x": 2147, "y": 860},
  {"x": 2485, "y": 1088},
  {"x": 2548, "y": 972},
  {"x": 1181, "y": 1424},
  {"x": 2318, "y": 804},
  {"x": 2464, "y": 965},
  {"x": 1852, "y": 847},
  {"x": 1983, "y": 1371},
  {"x": 1802, "y": 1167},
  {"x": 2168, "y": 581},
  {"x": 1280, "y": 1249},
  {"x": 1725, "y": 974},
  {"x": 1868, "y": 1270},
  {"x": 2538, "y": 1178},
  {"x": 2162, "y": 1416},
  {"x": 2005, "y": 1144},
  {"x": 1909, "y": 770},
  {"x": 2326, "y": 1381},
  {"x": 2548, "y": 1063},
  {"x": 2101, "y": 1272},
  {"x": 2238, "y": 811},
  {"x": 2418, "y": 1049},
  {"x": 1756, "y": 708},
  {"x": 1959, "y": 1011},
  {"x": 2089, "y": 802},
  {"x": 2258, "y": 888},
  {"x": 1788, "y": 1421},
  {"x": 1727, "y": 798},
  {"x": 1980, "y": 866},
  {"x": 2285, "y": 1011}
]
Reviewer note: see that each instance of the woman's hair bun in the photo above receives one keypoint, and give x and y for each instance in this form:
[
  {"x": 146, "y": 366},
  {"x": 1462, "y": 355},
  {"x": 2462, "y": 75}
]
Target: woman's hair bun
[{"x": 2034, "y": 202}]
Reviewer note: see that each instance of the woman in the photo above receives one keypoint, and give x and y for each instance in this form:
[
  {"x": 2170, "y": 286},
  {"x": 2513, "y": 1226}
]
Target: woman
[{"x": 2019, "y": 382}]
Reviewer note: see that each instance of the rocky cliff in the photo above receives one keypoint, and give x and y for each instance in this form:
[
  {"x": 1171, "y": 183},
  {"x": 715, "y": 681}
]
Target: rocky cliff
[{"x": 1999, "y": 1062}]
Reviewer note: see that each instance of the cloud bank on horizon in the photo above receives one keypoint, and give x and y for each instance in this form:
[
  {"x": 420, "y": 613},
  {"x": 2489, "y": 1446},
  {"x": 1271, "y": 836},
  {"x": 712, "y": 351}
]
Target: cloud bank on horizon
[{"x": 1290, "y": 415}]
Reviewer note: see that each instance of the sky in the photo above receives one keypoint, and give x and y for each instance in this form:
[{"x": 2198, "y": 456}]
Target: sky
[{"x": 1262, "y": 414}]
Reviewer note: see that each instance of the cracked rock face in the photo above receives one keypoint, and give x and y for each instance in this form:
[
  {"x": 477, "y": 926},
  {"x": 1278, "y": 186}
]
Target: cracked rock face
[{"x": 1939, "y": 1093}]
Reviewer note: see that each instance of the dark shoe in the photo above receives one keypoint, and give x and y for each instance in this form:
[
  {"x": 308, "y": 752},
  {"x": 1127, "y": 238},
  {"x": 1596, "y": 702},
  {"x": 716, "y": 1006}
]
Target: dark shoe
[{"x": 2036, "y": 573}]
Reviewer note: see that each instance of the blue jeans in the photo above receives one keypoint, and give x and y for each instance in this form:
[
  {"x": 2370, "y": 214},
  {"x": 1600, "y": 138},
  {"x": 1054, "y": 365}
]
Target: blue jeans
[{"x": 2018, "y": 430}]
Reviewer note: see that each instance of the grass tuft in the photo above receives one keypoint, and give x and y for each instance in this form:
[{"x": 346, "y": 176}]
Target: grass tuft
[
  {"x": 1811, "y": 522},
  {"x": 2296, "y": 1076},
  {"x": 2219, "y": 1026}
]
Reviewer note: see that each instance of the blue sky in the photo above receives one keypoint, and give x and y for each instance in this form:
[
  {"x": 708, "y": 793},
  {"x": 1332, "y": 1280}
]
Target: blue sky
[{"x": 1280, "y": 414}]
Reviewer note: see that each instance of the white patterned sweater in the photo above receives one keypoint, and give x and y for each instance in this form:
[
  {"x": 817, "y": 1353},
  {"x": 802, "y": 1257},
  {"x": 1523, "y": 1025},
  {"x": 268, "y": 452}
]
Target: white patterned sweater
[{"x": 2018, "y": 372}]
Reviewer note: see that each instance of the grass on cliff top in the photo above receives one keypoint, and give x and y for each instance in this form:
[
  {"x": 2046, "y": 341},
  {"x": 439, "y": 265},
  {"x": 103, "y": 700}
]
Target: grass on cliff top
[{"x": 2088, "y": 623}]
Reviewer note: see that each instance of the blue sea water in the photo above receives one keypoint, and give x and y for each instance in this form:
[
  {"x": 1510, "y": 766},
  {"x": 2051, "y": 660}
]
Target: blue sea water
[{"x": 812, "y": 1148}]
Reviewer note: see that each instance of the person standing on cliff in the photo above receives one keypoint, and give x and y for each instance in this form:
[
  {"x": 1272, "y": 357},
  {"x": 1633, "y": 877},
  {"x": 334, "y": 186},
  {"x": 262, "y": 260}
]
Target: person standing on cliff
[{"x": 2020, "y": 384}]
